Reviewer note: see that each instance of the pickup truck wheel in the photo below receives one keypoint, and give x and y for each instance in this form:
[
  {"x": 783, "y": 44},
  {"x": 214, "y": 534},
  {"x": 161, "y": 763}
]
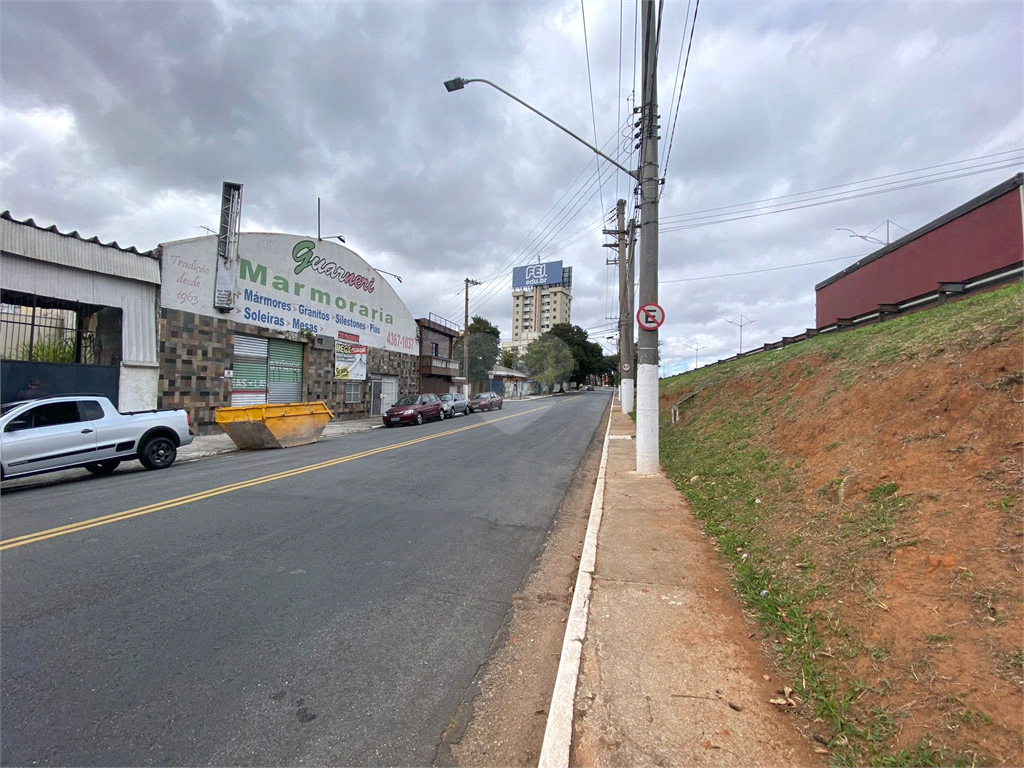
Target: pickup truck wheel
[
  {"x": 158, "y": 453},
  {"x": 101, "y": 468}
]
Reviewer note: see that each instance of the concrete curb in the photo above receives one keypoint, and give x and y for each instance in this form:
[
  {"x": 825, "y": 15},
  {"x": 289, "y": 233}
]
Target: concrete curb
[{"x": 554, "y": 752}]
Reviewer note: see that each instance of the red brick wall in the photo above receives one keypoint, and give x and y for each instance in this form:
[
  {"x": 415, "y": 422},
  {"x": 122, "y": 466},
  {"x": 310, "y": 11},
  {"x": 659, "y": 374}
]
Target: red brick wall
[{"x": 987, "y": 238}]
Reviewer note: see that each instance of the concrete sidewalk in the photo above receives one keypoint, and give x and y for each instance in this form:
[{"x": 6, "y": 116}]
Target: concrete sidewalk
[{"x": 669, "y": 673}]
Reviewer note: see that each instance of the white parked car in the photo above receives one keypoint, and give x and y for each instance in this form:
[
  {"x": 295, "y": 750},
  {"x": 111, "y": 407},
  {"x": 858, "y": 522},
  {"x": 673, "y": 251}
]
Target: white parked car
[{"x": 54, "y": 433}]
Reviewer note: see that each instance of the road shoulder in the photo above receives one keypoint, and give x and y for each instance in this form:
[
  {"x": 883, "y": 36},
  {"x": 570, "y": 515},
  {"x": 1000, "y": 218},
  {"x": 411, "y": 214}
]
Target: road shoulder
[{"x": 503, "y": 720}]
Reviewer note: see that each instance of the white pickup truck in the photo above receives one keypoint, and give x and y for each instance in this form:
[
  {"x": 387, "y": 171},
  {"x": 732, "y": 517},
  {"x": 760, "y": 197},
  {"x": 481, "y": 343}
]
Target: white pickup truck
[{"x": 54, "y": 433}]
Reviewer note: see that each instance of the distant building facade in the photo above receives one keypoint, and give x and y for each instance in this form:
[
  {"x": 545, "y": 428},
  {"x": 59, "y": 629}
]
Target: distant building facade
[{"x": 440, "y": 372}]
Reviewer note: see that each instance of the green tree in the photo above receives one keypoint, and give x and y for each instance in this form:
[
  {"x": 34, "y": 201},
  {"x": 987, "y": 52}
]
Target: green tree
[
  {"x": 588, "y": 357},
  {"x": 549, "y": 360},
  {"x": 509, "y": 358},
  {"x": 484, "y": 340}
]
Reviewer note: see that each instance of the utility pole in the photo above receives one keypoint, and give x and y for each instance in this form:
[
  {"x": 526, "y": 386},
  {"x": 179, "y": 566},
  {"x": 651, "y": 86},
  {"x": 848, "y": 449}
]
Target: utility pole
[
  {"x": 465, "y": 336},
  {"x": 647, "y": 341},
  {"x": 624, "y": 243},
  {"x": 629, "y": 346},
  {"x": 740, "y": 321}
]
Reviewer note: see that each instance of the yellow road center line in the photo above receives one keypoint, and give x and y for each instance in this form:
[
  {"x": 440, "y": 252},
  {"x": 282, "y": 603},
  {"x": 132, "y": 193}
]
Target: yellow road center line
[{"x": 82, "y": 525}]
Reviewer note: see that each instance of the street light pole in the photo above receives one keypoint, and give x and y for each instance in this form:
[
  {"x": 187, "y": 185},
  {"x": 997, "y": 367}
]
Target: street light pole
[
  {"x": 740, "y": 321},
  {"x": 458, "y": 83},
  {"x": 647, "y": 341},
  {"x": 650, "y": 186}
]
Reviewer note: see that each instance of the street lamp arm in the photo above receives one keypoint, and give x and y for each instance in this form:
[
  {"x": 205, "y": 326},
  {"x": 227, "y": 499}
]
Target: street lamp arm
[{"x": 458, "y": 83}]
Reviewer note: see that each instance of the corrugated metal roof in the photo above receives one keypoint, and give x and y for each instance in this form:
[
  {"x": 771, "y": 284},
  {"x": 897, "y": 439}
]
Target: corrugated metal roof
[
  {"x": 112, "y": 244},
  {"x": 48, "y": 244},
  {"x": 985, "y": 197}
]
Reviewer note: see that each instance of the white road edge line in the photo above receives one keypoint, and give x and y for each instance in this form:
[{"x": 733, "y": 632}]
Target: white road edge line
[{"x": 554, "y": 752}]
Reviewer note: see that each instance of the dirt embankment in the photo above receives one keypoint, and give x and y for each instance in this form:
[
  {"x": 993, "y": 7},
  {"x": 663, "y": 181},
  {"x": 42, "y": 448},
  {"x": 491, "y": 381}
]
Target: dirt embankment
[{"x": 867, "y": 491}]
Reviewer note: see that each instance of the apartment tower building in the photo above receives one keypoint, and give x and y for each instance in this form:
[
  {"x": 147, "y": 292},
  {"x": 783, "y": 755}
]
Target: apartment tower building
[{"x": 541, "y": 298}]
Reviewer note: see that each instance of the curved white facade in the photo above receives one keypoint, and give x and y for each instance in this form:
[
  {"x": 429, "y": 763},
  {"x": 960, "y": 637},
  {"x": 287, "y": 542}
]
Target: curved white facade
[{"x": 292, "y": 283}]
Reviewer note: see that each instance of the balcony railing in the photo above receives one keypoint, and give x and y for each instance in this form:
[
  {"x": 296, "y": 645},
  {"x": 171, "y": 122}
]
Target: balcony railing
[{"x": 438, "y": 366}]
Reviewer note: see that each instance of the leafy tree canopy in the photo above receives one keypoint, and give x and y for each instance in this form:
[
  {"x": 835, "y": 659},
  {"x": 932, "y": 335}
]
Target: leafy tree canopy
[
  {"x": 588, "y": 356},
  {"x": 549, "y": 360},
  {"x": 483, "y": 339},
  {"x": 509, "y": 358},
  {"x": 481, "y": 325}
]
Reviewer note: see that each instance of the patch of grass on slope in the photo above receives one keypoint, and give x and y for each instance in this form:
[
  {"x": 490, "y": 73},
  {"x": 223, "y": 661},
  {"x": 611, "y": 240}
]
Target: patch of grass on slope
[
  {"x": 730, "y": 480},
  {"x": 982, "y": 320}
]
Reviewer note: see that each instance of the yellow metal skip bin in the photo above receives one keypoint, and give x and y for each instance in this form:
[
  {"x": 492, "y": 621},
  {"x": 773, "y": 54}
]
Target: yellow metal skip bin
[{"x": 283, "y": 425}]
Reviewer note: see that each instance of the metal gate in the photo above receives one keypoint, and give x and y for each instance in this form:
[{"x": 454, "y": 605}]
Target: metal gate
[
  {"x": 284, "y": 372},
  {"x": 58, "y": 378},
  {"x": 383, "y": 394},
  {"x": 249, "y": 380},
  {"x": 376, "y": 387}
]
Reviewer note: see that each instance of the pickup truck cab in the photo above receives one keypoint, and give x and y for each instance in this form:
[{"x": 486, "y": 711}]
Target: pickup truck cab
[{"x": 55, "y": 433}]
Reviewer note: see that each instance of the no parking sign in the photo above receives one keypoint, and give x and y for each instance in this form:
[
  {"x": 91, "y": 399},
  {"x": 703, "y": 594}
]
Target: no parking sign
[{"x": 650, "y": 316}]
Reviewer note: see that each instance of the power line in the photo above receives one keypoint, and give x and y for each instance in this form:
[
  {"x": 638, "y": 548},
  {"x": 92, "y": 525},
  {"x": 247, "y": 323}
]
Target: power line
[
  {"x": 758, "y": 271},
  {"x": 541, "y": 240},
  {"x": 618, "y": 95},
  {"x": 679, "y": 64},
  {"x": 529, "y": 247},
  {"x": 851, "y": 183},
  {"x": 590, "y": 80},
  {"x": 682, "y": 83},
  {"x": 837, "y": 200}
]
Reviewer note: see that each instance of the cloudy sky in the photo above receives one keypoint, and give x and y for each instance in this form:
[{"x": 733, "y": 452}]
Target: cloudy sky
[{"x": 795, "y": 119}]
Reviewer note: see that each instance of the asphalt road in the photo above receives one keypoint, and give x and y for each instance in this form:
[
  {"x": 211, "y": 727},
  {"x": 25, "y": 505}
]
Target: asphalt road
[{"x": 328, "y": 615}]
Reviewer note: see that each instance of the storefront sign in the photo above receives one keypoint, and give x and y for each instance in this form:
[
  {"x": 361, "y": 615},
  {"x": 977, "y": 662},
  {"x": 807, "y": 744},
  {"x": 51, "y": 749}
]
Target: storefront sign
[{"x": 291, "y": 283}]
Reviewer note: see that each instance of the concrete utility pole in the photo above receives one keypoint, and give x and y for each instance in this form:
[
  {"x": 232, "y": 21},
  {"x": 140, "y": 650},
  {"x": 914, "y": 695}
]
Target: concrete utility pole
[
  {"x": 624, "y": 262},
  {"x": 465, "y": 336},
  {"x": 629, "y": 345},
  {"x": 625, "y": 345},
  {"x": 647, "y": 341}
]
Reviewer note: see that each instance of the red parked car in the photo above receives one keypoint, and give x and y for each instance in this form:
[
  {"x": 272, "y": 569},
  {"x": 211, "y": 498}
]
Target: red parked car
[
  {"x": 485, "y": 401},
  {"x": 414, "y": 409}
]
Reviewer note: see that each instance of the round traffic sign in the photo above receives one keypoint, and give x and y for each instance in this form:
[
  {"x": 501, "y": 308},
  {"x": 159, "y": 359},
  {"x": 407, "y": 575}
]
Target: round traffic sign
[
  {"x": 625, "y": 366},
  {"x": 650, "y": 316}
]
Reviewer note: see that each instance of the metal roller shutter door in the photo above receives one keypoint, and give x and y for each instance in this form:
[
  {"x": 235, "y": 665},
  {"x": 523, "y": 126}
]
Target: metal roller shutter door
[
  {"x": 284, "y": 372},
  {"x": 249, "y": 382}
]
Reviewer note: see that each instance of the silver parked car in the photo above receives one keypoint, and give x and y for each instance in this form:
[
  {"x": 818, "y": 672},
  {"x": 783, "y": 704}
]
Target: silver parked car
[{"x": 453, "y": 403}]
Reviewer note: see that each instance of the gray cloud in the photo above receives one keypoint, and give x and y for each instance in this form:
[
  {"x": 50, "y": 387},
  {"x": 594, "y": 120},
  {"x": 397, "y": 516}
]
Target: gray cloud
[{"x": 122, "y": 120}]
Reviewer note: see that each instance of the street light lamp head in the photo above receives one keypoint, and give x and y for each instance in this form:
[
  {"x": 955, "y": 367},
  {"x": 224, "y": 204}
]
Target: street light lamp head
[{"x": 456, "y": 84}]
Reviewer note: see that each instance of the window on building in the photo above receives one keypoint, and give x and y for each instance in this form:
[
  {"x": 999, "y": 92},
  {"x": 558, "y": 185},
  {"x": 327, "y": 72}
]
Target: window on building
[
  {"x": 434, "y": 349},
  {"x": 353, "y": 391}
]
